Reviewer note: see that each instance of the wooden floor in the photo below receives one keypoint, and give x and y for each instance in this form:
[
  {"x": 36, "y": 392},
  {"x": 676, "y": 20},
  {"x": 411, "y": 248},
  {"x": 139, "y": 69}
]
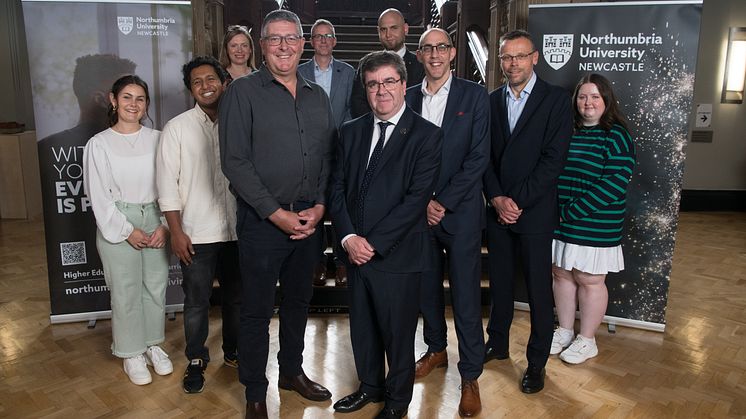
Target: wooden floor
[{"x": 697, "y": 368}]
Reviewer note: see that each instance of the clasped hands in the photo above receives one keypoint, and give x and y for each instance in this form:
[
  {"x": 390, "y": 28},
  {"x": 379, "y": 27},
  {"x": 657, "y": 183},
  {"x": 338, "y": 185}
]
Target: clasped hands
[
  {"x": 139, "y": 239},
  {"x": 507, "y": 210},
  {"x": 298, "y": 225}
]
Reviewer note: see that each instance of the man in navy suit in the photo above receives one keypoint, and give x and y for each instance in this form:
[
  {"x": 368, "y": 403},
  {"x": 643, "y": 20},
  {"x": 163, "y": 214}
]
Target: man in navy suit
[
  {"x": 455, "y": 213},
  {"x": 392, "y": 32},
  {"x": 336, "y": 78},
  {"x": 531, "y": 128},
  {"x": 384, "y": 176}
]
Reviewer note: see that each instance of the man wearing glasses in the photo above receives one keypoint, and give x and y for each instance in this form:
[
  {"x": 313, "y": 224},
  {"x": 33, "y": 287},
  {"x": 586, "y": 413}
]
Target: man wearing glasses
[
  {"x": 392, "y": 32},
  {"x": 531, "y": 128},
  {"x": 336, "y": 77},
  {"x": 384, "y": 175},
  {"x": 276, "y": 137},
  {"x": 455, "y": 213}
]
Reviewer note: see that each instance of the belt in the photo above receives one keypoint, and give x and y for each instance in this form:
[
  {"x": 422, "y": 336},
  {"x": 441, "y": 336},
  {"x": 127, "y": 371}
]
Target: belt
[{"x": 297, "y": 206}]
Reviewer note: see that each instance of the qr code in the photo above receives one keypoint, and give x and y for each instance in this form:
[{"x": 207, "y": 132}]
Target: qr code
[{"x": 73, "y": 253}]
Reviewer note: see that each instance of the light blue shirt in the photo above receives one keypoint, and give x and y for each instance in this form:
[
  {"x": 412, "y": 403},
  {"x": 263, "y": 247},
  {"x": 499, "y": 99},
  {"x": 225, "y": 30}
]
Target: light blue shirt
[
  {"x": 323, "y": 77},
  {"x": 516, "y": 104}
]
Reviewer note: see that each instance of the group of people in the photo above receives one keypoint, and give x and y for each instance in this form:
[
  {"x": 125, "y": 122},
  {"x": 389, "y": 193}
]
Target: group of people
[{"x": 242, "y": 182}]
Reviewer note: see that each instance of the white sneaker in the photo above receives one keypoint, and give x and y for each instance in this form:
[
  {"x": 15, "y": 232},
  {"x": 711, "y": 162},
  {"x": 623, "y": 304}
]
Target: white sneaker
[
  {"x": 156, "y": 357},
  {"x": 137, "y": 370},
  {"x": 580, "y": 350},
  {"x": 561, "y": 339}
]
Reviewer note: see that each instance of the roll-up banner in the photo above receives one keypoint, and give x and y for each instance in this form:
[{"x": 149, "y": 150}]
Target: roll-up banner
[
  {"x": 76, "y": 51},
  {"x": 648, "y": 50}
]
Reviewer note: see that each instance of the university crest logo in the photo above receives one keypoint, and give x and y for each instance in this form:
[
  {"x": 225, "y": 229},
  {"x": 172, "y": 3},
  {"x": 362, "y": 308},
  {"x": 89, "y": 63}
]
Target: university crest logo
[
  {"x": 557, "y": 49},
  {"x": 125, "y": 23}
]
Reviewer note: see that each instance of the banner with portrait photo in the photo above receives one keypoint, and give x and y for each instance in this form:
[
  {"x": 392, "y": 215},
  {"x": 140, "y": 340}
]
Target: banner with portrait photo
[
  {"x": 648, "y": 50},
  {"x": 76, "y": 51}
]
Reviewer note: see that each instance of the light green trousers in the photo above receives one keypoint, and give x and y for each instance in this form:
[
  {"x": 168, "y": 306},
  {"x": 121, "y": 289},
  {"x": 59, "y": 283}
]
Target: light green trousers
[{"x": 137, "y": 281}]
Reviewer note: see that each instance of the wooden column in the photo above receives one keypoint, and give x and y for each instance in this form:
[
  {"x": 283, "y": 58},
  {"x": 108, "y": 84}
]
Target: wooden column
[{"x": 207, "y": 26}]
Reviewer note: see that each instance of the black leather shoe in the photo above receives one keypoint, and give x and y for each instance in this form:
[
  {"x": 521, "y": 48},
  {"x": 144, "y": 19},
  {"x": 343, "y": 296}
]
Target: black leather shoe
[
  {"x": 533, "y": 379},
  {"x": 392, "y": 413},
  {"x": 305, "y": 387},
  {"x": 355, "y": 401},
  {"x": 491, "y": 353},
  {"x": 256, "y": 410}
]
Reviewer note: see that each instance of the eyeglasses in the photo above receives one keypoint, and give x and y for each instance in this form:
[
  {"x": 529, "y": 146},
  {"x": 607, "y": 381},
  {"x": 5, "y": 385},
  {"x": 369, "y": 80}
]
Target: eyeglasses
[
  {"x": 507, "y": 58},
  {"x": 441, "y": 48},
  {"x": 276, "y": 40},
  {"x": 387, "y": 84},
  {"x": 324, "y": 36}
]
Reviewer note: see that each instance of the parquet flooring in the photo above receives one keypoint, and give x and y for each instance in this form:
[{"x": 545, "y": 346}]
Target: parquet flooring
[{"x": 697, "y": 368}]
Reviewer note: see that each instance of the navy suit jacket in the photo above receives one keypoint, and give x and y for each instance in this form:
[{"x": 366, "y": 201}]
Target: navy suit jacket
[
  {"x": 526, "y": 163},
  {"x": 466, "y": 151},
  {"x": 395, "y": 221},
  {"x": 359, "y": 99},
  {"x": 342, "y": 80}
]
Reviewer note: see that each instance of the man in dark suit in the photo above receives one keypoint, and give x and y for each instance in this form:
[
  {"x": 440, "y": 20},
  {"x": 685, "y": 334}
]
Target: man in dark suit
[
  {"x": 385, "y": 172},
  {"x": 455, "y": 213},
  {"x": 336, "y": 78},
  {"x": 392, "y": 32},
  {"x": 530, "y": 129}
]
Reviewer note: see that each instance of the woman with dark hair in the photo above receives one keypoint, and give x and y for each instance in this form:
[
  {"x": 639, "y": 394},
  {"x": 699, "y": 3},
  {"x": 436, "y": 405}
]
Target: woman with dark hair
[
  {"x": 119, "y": 178},
  {"x": 592, "y": 198},
  {"x": 237, "y": 54}
]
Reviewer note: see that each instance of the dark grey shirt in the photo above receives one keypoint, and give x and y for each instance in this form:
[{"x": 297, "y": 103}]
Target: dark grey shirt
[{"x": 276, "y": 149}]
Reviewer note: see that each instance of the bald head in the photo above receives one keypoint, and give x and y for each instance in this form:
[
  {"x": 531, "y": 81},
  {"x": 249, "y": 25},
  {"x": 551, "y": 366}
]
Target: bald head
[{"x": 392, "y": 30}]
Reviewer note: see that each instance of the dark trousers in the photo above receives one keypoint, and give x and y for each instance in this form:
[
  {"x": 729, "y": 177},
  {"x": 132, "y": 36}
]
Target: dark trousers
[
  {"x": 383, "y": 322},
  {"x": 534, "y": 251},
  {"x": 267, "y": 254},
  {"x": 463, "y": 251},
  {"x": 208, "y": 262}
]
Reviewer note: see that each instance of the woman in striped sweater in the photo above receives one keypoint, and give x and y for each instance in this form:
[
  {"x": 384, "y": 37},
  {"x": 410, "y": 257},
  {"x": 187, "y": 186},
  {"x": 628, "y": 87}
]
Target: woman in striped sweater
[{"x": 592, "y": 197}]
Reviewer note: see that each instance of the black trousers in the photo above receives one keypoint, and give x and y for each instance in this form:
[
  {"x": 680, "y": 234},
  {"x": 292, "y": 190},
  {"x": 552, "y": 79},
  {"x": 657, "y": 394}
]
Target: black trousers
[
  {"x": 463, "y": 252},
  {"x": 266, "y": 255},
  {"x": 383, "y": 322},
  {"x": 534, "y": 252}
]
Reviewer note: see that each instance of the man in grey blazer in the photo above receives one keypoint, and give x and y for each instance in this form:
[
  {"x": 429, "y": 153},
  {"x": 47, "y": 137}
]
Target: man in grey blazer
[{"x": 336, "y": 78}]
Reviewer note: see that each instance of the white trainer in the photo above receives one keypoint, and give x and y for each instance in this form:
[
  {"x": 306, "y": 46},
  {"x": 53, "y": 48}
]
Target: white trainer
[
  {"x": 561, "y": 339},
  {"x": 581, "y": 350},
  {"x": 137, "y": 370},
  {"x": 158, "y": 358}
]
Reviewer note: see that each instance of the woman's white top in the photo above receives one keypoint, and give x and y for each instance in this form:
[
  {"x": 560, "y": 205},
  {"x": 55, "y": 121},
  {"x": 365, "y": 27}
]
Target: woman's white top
[{"x": 119, "y": 167}]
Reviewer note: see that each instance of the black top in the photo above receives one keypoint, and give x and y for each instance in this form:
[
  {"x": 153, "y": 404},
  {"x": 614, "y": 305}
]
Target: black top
[{"x": 275, "y": 149}]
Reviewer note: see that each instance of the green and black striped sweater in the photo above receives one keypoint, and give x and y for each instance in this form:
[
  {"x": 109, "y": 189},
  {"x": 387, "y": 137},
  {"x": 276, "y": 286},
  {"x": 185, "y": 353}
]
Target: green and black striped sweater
[{"x": 593, "y": 187}]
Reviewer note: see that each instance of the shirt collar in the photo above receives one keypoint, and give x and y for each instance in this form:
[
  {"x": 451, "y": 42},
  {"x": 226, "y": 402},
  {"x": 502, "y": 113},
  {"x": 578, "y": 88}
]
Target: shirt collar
[
  {"x": 203, "y": 116},
  {"x": 394, "y": 119},
  {"x": 526, "y": 90},
  {"x": 317, "y": 68},
  {"x": 266, "y": 77},
  {"x": 402, "y": 51},
  {"x": 444, "y": 89}
]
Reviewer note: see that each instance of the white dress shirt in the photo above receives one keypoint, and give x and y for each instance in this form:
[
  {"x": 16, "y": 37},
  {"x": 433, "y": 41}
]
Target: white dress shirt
[
  {"x": 434, "y": 105},
  {"x": 119, "y": 168},
  {"x": 190, "y": 179}
]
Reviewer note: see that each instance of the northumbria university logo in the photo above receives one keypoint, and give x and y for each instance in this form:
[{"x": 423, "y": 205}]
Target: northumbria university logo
[
  {"x": 125, "y": 23},
  {"x": 558, "y": 49}
]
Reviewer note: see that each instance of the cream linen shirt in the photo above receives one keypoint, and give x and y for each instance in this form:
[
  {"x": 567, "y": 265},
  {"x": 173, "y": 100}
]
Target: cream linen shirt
[{"x": 190, "y": 179}]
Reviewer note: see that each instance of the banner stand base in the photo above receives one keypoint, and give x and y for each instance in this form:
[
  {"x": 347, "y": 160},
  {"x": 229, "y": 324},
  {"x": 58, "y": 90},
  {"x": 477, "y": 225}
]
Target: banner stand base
[
  {"x": 612, "y": 321},
  {"x": 93, "y": 316}
]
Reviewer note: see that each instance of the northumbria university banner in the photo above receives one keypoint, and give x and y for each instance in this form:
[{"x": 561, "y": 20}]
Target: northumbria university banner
[
  {"x": 76, "y": 51},
  {"x": 648, "y": 50}
]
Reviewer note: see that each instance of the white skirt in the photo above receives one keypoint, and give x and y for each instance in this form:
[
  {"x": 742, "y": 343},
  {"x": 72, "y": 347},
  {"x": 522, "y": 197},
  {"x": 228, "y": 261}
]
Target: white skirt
[{"x": 592, "y": 260}]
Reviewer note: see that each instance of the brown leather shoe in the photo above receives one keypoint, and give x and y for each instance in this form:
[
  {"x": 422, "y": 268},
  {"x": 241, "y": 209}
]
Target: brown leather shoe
[
  {"x": 256, "y": 410},
  {"x": 340, "y": 279},
  {"x": 429, "y": 362},
  {"x": 305, "y": 387},
  {"x": 471, "y": 403},
  {"x": 319, "y": 275}
]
